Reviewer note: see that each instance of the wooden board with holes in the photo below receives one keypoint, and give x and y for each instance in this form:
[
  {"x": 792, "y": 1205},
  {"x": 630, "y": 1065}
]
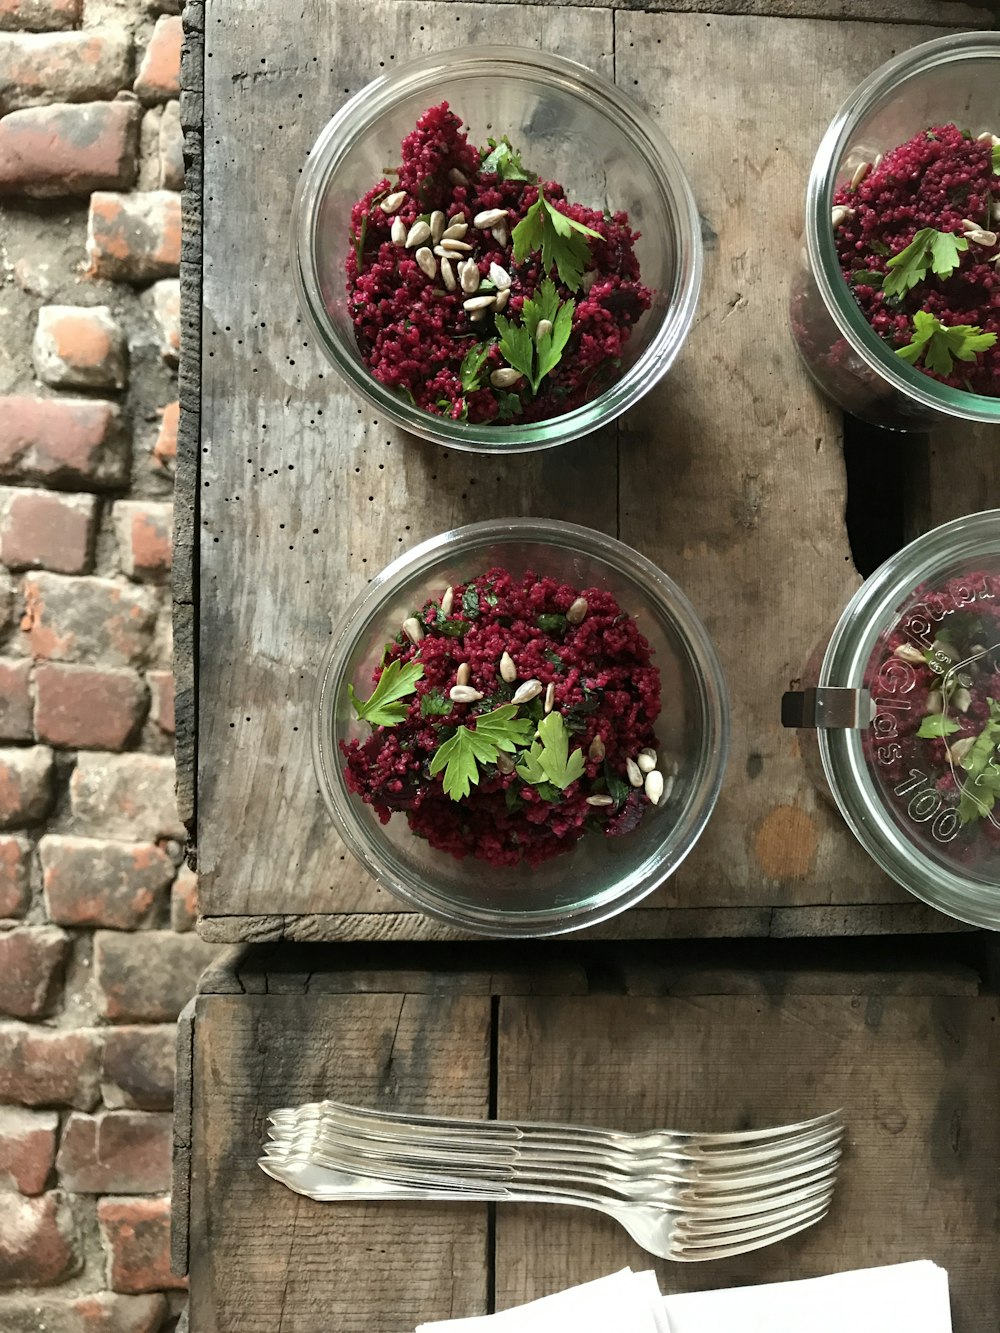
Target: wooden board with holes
[
  {"x": 729, "y": 475},
  {"x": 691, "y": 1037}
]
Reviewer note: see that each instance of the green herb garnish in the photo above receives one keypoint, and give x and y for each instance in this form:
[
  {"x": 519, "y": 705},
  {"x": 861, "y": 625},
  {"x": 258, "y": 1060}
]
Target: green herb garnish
[
  {"x": 473, "y": 364},
  {"x": 940, "y": 345},
  {"x": 454, "y": 629},
  {"x": 617, "y": 786},
  {"x": 864, "y": 278},
  {"x": 505, "y": 161},
  {"x": 383, "y": 709},
  {"x": 930, "y": 251},
  {"x": 535, "y": 351},
  {"x": 562, "y": 241},
  {"x": 510, "y": 406},
  {"x": 470, "y": 602},
  {"x": 996, "y": 159},
  {"x": 435, "y": 703},
  {"x": 937, "y": 725},
  {"x": 552, "y": 622},
  {"x": 459, "y": 756},
  {"x": 984, "y": 773},
  {"x": 549, "y": 758}
]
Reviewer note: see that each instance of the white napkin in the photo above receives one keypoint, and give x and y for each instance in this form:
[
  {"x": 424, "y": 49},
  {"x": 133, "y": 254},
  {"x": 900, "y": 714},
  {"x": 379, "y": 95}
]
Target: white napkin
[{"x": 899, "y": 1298}]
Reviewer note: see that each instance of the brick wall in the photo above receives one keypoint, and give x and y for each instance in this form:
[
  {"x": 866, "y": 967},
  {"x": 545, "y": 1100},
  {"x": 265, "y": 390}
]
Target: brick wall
[{"x": 97, "y": 953}]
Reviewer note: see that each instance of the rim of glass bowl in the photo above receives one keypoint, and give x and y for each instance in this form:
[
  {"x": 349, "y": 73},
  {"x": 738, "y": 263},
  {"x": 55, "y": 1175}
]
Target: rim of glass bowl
[
  {"x": 631, "y": 121},
  {"x": 822, "y": 252},
  {"x": 873, "y": 607},
  {"x": 711, "y": 696}
]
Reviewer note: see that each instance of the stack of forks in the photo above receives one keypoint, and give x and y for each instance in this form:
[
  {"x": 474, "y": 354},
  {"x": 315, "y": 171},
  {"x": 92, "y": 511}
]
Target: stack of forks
[{"x": 681, "y": 1196}]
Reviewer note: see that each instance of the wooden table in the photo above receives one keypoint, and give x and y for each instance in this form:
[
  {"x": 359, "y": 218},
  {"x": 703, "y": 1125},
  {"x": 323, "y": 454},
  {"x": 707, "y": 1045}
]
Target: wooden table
[{"x": 730, "y": 476}]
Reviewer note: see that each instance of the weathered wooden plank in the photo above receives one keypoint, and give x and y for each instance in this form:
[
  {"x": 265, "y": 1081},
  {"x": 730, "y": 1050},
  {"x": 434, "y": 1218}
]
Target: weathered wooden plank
[
  {"x": 263, "y": 1258},
  {"x": 918, "y": 1079},
  {"x": 935, "y": 13},
  {"x": 180, "y": 1190},
  {"x": 954, "y": 472}
]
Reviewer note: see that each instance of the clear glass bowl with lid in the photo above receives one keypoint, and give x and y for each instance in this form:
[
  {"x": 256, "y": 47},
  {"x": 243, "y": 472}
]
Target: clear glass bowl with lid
[
  {"x": 600, "y": 876},
  {"x": 953, "y": 79},
  {"x": 572, "y": 126},
  {"x": 918, "y": 780}
]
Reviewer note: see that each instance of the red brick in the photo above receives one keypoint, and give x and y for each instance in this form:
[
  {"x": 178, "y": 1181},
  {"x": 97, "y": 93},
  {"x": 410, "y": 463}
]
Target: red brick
[
  {"x": 63, "y": 67},
  {"x": 184, "y": 901},
  {"x": 148, "y": 977},
  {"x": 116, "y": 1152},
  {"x": 138, "y": 1069},
  {"x": 159, "y": 76},
  {"x": 171, "y": 148},
  {"x": 15, "y": 870},
  {"x": 25, "y": 786},
  {"x": 32, "y": 962},
  {"x": 89, "y": 882},
  {"x": 165, "y": 449},
  {"x": 50, "y": 152},
  {"x": 27, "y": 1149},
  {"x": 79, "y": 346},
  {"x": 15, "y": 700},
  {"x": 125, "y": 796},
  {"x": 166, "y": 298},
  {"x": 46, "y": 530},
  {"x": 134, "y": 237},
  {"x": 97, "y": 1312},
  {"x": 88, "y": 620},
  {"x": 145, "y": 531},
  {"x": 161, "y": 685},
  {"x": 39, "y": 15},
  {"x": 63, "y": 442},
  {"x": 136, "y": 1233},
  {"x": 38, "y": 1241},
  {"x": 88, "y": 709},
  {"x": 42, "y": 1066}
]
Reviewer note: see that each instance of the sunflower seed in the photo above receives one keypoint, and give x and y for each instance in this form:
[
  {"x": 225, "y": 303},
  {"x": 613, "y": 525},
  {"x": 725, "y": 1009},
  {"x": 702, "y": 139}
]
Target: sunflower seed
[
  {"x": 479, "y": 302},
  {"x": 489, "y": 218},
  {"x": 504, "y": 763},
  {"x": 464, "y": 674},
  {"x": 653, "y": 786},
  {"x": 600, "y": 800},
  {"x": 458, "y": 177},
  {"x": 504, "y": 377},
  {"x": 597, "y": 750},
  {"x": 985, "y": 137},
  {"x": 455, "y": 231},
  {"x": 448, "y": 274},
  {"x": 426, "y": 261},
  {"x": 418, "y": 234},
  {"x": 906, "y": 652},
  {"x": 958, "y": 751},
  {"x": 464, "y": 694},
  {"x": 413, "y": 629},
  {"x": 477, "y": 316},
  {"x": 499, "y": 276},
  {"x": 508, "y": 671},
  {"x": 634, "y": 773},
  {"x": 576, "y": 611},
  {"x": 646, "y": 759},
  {"x": 456, "y": 219},
  {"x": 877, "y": 163},
  {"x": 500, "y": 234},
  {"x": 447, "y": 602},
  {"x": 860, "y": 172},
  {"x": 527, "y": 691},
  {"x": 962, "y": 699},
  {"x": 436, "y": 224},
  {"x": 503, "y": 297},
  {"x": 456, "y": 247},
  {"x": 978, "y": 236},
  {"x": 550, "y": 696},
  {"x": 935, "y": 702},
  {"x": 468, "y": 276},
  {"x": 392, "y": 202},
  {"x": 397, "y": 233},
  {"x": 543, "y": 327},
  {"x": 840, "y": 215}
]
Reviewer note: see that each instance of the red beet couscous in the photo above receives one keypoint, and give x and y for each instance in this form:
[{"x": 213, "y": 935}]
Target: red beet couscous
[
  {"x": 916, "y": 235},
  {"x": 935, "y": 739},
  {"x": 480, "y": 292},
  {"x": 511, "y": 716}
]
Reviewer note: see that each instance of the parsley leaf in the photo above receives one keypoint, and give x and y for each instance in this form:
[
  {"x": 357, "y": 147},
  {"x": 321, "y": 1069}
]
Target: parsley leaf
[
  {"x": 937, "y": 725},
  {"x": 470, "y": 602},
  {"x": 383, "y": 709},
  {"x": 459, "y": 756},
  {"x": 549, "y": 756},
  {"x": 454, "y": 629},
  {"x": 561, "y": 239},
  {"x": 983, "y": 771},
  {"x": 471, "y": 369},
  {"x": 505, "y": 162},
  {"x": 996, "y": 159},
  {"x": 940, "y": 344},
  {"x": 552, "y": 622},
  {"x": 536, "y": 354},
  {"x": 510, "y": 406},
  {"x": 435, "y": 703},
  {"x": 930, "y": 250},
  {"x": 516, "y": 345}
]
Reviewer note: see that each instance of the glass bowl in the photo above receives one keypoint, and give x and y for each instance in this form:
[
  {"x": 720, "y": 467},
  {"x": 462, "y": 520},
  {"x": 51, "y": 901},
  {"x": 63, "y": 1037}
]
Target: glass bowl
[
  {"x": 951, "y": 79},
  {"x": 599, "y": 876},
  {"x": 571, "y": 126},
  {"x": 924, "y": 623}
]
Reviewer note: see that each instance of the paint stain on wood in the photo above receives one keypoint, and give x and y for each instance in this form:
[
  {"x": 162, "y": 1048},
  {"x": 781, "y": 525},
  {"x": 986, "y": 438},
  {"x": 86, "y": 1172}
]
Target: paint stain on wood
[{"x": 785, "y": 843}]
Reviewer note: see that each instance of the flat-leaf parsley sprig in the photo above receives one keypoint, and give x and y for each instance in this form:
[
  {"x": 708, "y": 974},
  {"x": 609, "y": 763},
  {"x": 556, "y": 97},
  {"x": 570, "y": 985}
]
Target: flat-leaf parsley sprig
[
  {"x": 561, "y": 239},
  {"x": 930, "y": 251},
  {"x": 940, "y": 345},
  {"x": 384, "y": 708},
  {"x": 535, "y": 346},
  {"x": 460, "y": 756}
]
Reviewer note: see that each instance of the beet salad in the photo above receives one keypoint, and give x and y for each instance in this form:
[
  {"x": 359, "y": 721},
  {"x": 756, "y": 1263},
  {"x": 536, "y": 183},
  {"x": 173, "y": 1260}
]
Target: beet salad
[
  {"x": 935, "y": 738},
  {"x": 509, "y": 717},
  {"x": 482, "y": 293},
  {"x": 917, "y": 237}
]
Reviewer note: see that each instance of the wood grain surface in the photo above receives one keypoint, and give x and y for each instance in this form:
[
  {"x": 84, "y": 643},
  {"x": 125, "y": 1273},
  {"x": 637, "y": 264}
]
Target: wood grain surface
[{"x": 729, "y": 475}]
